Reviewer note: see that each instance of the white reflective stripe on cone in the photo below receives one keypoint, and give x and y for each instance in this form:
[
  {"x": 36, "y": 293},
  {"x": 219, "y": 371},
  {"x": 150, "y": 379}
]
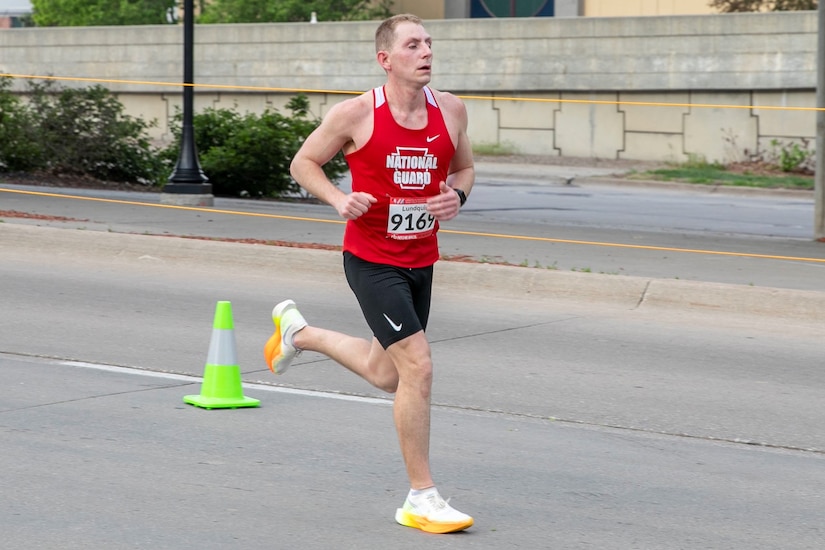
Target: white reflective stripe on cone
[{"x": 222, "y": 348}]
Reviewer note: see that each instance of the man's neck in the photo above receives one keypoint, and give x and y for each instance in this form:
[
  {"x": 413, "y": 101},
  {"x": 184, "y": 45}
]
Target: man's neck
[{"x": 405, "y": 98}]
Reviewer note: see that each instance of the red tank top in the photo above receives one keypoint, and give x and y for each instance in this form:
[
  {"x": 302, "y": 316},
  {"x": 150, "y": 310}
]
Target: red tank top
[{"x": 401, "y": 168}]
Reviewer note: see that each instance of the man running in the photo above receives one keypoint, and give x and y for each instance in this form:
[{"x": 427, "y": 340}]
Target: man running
[{"x": 412, "y": 166}]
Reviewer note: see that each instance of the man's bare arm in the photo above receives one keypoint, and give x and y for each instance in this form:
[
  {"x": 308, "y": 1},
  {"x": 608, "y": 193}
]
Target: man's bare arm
[
  {"x": 334, "y": 132},
  {"x": 461, "y": 175}
]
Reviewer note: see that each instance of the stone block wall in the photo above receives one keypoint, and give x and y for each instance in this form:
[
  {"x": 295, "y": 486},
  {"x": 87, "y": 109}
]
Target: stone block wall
[{"x": 573, "y": 86}]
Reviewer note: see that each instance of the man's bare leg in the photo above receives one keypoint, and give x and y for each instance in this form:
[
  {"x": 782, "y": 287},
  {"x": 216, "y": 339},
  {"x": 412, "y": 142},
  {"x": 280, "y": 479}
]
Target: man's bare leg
[
  {"x": 404, "y": 368},
  {"x": 411, "y": 381},
  {"x": 424, "y": 508},
  {"x": 411, "y": 409},
  {"x": 366, "y": 359}
]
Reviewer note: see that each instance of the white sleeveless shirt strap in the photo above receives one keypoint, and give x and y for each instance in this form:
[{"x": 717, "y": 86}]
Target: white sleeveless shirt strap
[
  {"x": 430, "y": 97},
  {"x": 380, "y": 98},
  {"x": 378, "y": 94}
]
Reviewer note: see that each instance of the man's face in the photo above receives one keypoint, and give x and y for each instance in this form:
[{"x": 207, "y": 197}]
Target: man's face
[{"x": 411, "y": 55}]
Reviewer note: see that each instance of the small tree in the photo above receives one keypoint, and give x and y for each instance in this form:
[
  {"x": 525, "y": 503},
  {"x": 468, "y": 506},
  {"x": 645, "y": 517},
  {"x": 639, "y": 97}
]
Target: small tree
[
  {"x": 86, "y": 13},
  {"x": 733, "y": 6},
  {"x": 267, "y": 11}
]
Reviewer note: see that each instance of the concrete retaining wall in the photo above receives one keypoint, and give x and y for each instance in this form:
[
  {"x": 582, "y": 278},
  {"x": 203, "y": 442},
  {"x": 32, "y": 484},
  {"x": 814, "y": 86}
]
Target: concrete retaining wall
[{"x": 583, "y": 77}]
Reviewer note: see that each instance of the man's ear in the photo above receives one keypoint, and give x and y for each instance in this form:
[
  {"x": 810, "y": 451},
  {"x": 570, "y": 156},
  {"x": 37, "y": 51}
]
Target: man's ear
[{"x": 383, "y": 58}]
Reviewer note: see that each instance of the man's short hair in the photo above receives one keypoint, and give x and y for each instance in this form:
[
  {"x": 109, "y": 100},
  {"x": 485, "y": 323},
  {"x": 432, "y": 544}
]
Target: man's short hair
[{"x": 385, "y": 34}]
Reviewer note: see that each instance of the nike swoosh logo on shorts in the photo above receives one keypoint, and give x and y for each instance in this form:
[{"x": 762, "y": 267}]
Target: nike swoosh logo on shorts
[
  {"x": 396, "y": 328},
  {"x": 433, "y": 138}
]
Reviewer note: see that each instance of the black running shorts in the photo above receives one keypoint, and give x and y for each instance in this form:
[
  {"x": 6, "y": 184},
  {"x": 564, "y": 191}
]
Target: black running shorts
[{"x": 395, "y": 300}]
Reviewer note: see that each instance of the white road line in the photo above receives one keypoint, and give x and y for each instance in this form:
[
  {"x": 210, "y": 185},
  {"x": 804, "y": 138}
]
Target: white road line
[{"x": 198, "y": 379}]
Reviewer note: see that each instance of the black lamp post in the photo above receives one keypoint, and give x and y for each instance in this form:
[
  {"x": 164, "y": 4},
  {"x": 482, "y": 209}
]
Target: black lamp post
[{"x": 188, "y": 178}]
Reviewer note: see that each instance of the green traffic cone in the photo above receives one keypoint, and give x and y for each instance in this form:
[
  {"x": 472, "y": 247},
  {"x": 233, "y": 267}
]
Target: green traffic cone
[{"x": 221, "y": 387}]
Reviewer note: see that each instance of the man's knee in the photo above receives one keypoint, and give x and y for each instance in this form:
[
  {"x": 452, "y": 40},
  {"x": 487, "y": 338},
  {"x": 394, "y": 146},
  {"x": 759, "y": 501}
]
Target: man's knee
[
  {"x": 391, "y": 389},
  {"x": 383, "y": 374},
  {"x": 413, "y": 359},
  {"x": 388, "y": 384}
]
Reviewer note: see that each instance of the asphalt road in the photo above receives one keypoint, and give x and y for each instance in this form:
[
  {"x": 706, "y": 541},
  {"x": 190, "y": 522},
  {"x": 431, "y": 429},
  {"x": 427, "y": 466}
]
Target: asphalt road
[
  {"x": 740, "y": 238},
  {"x": 572, "y": 410},
  {"x": 559, "y": 423}
]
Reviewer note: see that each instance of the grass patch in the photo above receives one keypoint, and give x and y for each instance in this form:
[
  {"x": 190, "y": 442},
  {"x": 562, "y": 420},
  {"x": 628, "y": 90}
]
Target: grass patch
[
  {"x": 494, "y": 149},
  {"x": 716, "y": 174}
]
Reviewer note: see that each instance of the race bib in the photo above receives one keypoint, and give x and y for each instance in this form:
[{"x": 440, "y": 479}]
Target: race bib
[{"x": 409, "y": 219}]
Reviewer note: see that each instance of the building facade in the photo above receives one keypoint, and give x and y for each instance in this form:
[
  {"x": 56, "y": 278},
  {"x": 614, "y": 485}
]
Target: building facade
[
  {"x": 15, "y": 13},
  {"x": 464, "y": 9}
]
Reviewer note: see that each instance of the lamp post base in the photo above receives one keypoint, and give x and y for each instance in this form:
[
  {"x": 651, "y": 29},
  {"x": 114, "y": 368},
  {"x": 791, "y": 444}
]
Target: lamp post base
[{"x": 187, "y": 194}]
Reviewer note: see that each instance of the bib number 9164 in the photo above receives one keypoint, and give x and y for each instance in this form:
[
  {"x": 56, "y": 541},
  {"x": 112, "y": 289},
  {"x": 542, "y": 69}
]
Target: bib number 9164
[{"x": 409, "y": 219}]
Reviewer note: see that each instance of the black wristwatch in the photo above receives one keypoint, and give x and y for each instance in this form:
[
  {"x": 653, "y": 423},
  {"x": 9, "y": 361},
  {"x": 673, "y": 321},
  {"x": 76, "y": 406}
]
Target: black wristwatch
[{"x": 461, "y": 196}]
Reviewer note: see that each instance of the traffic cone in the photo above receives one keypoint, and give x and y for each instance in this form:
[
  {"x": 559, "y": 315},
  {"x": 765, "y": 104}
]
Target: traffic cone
[{"x": 221, "y": 387}]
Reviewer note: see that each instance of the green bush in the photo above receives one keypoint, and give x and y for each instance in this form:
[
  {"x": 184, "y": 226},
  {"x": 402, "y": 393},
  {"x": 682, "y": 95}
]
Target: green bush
[
  {"x": 85, "y": 132},
  {"x": 75, "y": 131},
  {"x": 249, "y": 155},
  {"x": 792, "y": 157},
  {"x": 19, "y": 150}
]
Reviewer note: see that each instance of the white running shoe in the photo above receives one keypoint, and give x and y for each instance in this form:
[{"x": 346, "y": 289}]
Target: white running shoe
[
  {"x": 432, "y": 514},
  {"x": 279, "y": 350}
]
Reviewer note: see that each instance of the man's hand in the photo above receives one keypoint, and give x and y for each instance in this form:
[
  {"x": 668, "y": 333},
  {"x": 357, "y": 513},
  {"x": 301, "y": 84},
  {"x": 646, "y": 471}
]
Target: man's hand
[
  {"x": 355, "y": 205},
  {"x": 445, "y": 205}
]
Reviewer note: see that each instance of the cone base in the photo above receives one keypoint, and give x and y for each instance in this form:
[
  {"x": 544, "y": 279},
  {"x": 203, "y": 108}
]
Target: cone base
[{"x": 220, "y": 402}]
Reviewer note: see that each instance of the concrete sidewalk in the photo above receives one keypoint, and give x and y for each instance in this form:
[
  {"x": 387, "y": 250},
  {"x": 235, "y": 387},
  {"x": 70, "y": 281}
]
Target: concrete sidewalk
[{"x": 547, "y": 173}]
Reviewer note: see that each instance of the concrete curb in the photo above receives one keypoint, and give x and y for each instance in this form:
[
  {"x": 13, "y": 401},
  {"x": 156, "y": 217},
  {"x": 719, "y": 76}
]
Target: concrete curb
[{"x": 18, "y": 241}]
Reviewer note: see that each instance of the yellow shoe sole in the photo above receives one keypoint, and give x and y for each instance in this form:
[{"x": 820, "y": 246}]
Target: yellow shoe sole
[{"x": 417, "y": 522}]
